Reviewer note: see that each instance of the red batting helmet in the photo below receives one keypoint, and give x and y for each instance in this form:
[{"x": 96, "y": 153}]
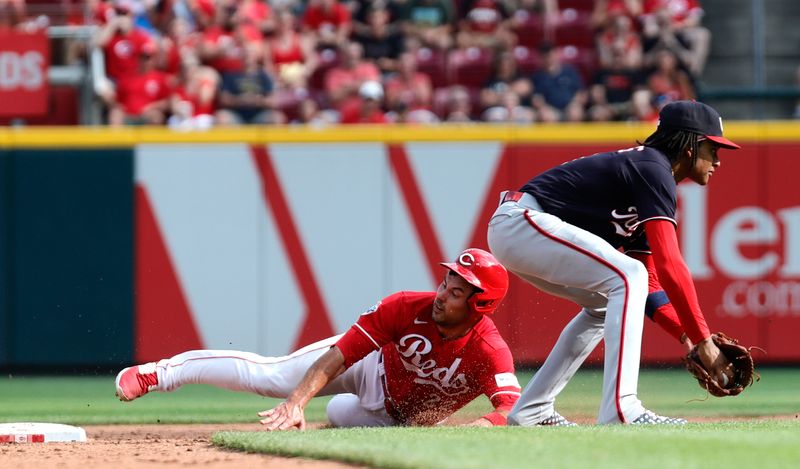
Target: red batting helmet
[{"x": 481, "y": 270}]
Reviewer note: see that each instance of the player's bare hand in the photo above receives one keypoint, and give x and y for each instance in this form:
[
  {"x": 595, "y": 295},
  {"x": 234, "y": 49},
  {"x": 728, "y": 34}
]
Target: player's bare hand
[{"x": 284, "y": 417}]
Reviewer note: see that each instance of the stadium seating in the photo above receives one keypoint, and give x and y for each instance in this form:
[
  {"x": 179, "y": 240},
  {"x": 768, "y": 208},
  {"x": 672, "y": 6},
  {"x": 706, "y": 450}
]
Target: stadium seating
[
  {"x": 574, "y": 29},
  {"x": 328, "y": 58},
  {"x": 531, "y": 33},
  {"x": 579, "y": 5},
  {"x": 470, "y": 67},
  {"x": 582, "y": 58},
  {"x": 434, "y": 64},
  {"x": 528, "y": 60}
]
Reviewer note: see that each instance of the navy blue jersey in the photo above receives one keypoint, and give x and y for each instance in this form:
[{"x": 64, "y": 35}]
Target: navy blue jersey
[{"x": 609, "y": 194}]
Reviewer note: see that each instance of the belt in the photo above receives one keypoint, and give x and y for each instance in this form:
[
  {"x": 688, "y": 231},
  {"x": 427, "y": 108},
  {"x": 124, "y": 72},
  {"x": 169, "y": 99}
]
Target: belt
[
  {"x": 512, "y": 196},
  {"x": 524, "y": 199}
]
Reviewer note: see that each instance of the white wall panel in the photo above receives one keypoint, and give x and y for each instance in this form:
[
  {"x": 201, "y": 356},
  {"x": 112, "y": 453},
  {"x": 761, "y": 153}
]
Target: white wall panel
[
  {"x": 407, "y": 265},
  {"x": 336, "y": 196},
  {"x": 206, "y": 201},
  {"x": 453, "y": 178},
  {"x": 281, "y": 306}
]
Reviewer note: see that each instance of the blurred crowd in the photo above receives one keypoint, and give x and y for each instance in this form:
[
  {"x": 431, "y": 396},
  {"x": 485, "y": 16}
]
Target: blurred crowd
[{"x": 202, "y": 63}]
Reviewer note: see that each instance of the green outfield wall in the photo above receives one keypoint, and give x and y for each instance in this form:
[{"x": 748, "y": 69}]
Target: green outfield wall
[{"x": 67, "y": 256}]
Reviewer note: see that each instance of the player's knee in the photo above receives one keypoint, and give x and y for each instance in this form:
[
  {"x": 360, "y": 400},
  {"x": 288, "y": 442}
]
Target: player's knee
[
  {"x": 635, "y": 271},
  {"x": 340, "y": 409}
]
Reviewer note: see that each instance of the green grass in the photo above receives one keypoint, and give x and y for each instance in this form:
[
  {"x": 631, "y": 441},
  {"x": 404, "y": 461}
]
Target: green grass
[
  {"x": 90, "y": 400},
  {"x": 751, "y": 444},
  {"x": 765, "y": 443}
]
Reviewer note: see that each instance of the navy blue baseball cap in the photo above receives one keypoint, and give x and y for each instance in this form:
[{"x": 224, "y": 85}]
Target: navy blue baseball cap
[{"x": 695, "y": 117}]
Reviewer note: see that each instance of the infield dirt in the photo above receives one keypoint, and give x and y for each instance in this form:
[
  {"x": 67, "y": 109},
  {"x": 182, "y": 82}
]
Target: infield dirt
[
  {"x": 148, "y": 446},
  {"x": 176, "y": 446}
]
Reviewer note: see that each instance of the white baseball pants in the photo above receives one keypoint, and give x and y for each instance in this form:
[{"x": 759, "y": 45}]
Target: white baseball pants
[
  {"x": 358, "y": 400},
  {"x": 611, "y": 288}
]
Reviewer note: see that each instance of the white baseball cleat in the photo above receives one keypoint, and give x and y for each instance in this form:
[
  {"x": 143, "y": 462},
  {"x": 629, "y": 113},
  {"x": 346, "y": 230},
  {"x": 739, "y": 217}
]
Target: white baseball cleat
[
  {"x": 556, "y": 420},
  {"x": 650, "y": 418},
  {"x": 136, "y": 381}
]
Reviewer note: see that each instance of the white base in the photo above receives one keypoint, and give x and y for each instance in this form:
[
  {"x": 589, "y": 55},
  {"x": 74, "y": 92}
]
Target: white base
[{"x": 37, "y": 432}]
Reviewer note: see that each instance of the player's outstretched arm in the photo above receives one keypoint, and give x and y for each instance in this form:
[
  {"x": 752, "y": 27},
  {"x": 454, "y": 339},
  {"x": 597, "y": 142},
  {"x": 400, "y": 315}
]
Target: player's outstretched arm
[
  {"x": 677, "y": 281},
  {"x": 496, "y": 418},
  {"x": 290, "y": 413}
]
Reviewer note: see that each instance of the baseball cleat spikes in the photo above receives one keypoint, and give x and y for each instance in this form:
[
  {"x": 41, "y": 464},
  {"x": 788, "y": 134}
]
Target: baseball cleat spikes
[
  {"x": 651, "y": 418},
  {"x": 136, "y": 381},
  {"x": 556, "y": 420}
]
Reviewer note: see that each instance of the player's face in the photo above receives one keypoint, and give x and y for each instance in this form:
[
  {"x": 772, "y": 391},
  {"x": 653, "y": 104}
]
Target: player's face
[
  {"x": 450, "y": 306},
  {"x": 707, "y": 162}
]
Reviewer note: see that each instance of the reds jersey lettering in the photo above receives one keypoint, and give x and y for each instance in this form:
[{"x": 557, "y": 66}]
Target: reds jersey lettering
[
  {"x": 427, "y": 378},
  {"x": 413, "y": 348}
]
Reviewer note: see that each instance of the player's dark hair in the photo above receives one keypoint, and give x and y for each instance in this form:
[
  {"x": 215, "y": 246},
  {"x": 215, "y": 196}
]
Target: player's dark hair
[{"x": 672, "y": 142}]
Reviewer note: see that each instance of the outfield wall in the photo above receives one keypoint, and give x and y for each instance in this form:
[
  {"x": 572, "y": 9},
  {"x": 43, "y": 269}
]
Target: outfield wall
[{"x": 140, "y": 243}]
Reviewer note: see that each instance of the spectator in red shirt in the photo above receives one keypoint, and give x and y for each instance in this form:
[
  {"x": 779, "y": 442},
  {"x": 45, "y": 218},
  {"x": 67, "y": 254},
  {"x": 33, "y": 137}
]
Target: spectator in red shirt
[
  {"x": 328, "y": 21},
  {"x": 223, "y": 44},
  {"x": 289, "y": 54},
  {"x": 486, "y": 24},
  {"x": 668, "y": 82},
  {"x": 675, "y": 25},
  {"x": 122, "y": 44},
  {"x": 193, "y": 102},
  {"x": 143, "y": 97},
  {"x": 180, "y": 39},
  {"x": 606, "y": 10},
  {"x": 343, "y": 82},
  {"x": 409, "y": 89},
  {"x": 367, "y": 109},
  {"x": 618, "y": 91},
  {"x": 619, "y": 42},
  {"x": 202, "y": 12},
  {"x": 256, "y": 18}
]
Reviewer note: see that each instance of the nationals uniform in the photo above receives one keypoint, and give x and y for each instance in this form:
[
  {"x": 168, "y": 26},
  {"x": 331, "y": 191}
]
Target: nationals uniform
[
  {"x": 562, "y": 232},
  {"x": 399, "y": 370},
  {"x": 574, "y": 217}
]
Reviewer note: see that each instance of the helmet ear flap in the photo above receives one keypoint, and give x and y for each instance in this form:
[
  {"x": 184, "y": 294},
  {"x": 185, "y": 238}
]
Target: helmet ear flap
[{"x": 480, "y": 305}]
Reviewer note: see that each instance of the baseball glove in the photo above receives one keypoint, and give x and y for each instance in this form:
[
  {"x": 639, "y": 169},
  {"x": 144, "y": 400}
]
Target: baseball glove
[{"x": 744, "y": 372}]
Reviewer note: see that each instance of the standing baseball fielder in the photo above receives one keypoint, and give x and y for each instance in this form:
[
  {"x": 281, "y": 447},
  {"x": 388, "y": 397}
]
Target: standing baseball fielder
[
  {"x": 413, "y": 359},
  {"x": 563, "y": 232}
]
